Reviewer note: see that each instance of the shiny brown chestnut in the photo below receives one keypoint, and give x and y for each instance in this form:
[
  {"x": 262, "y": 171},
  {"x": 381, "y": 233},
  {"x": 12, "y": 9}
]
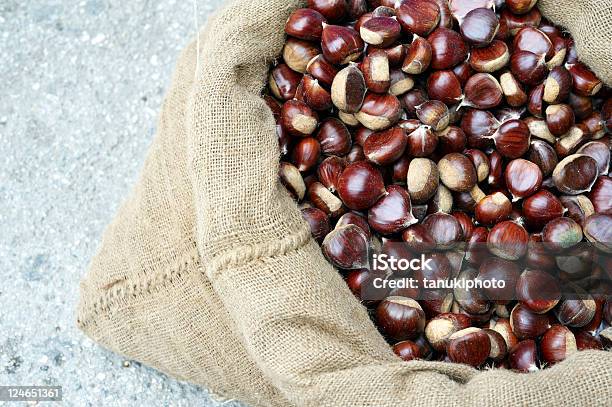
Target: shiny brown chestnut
[
  {"x": 334, "y": 137},
  {"x": 447, "y": 48},
  {"x": 598, "y": 231},
  {"x": 298, "y": 118},
  {"x": 508, "y": 240},
  {"x": 460, "y": 8},
  {"x": 599, "y": 151},
  {"x": 452, "y": 140},
  {"x": 482, "y": 91},
  {"x": 473, "y": 300},
  {"x": 408, "y": 350},
  {"x": 376, "y": 71},
  {"x": 400, "y": 318},
  {"x": 333, "y": 10},
  {"x": 445, "y": 230},
  {"x": 292, "y": 179},
  {"x": 576, "y": 312},
  {"x": 356, "y": 8},
  {"x": 355, "y": 155},
  {"x": 557, "y": 85},
  {"x": 579, "y": 207},
  {"x": 418, "y": 56},
  {"x": 305, "y": 24},
  {"x": 513, "y": 91},
  {"x": 380, "y": 31},
  {"x": 512, "y": 138},
  {"x": 585, "y": 83},
  {"x": 306, "y": 153},
  {"x": 496, "y": 269},
  {"x": 535, "y": 102},
  {"x": 499, "y": 349},
  {"x": 538, "y": 290},
  {"x": 470, "y": 346},
  {"x": 520, "y": 6},
  {"x": 575, "y": 174},
  {"x": 400, "y": 82},
  {"x": 329, "y": 171},
  {"x": 463, "y": 72},
  {"x": 559, "y": 118},
  {"x": 385, "y": 147},
  {"x": 393, "y": 212},
  {"x": 586, "y": 341},
  {"x": 354, "y": 218},
  {"x": 533, "y": 40},
  {"x": 348, "y": 89},
  {"x": 411, "y": 100},
  {"x": 480, "y": 26},
  {"x": 315, "y": 95},
  {"x": 528, "y": 68},
  {"x": 595, "y": 124},
  {"x": 491, "y": 58},
  {"x": 440, "y": 328},
  {"x": 601, "y": 195},
  {"x": 523, "y": 178},
  {"x": 318, "y": 222},
  {"x": 570, "y": 141},
  {"x": 496, "y": 170},
  {"x": 466, "y": 222},
  {"x": 340, "y": 44},
  {"x": 523, "y": 357},
  {"x": 284, "y": 82},
  {"x": 479, "y": 127},
  {"x": 297, "y": 53},
  {"x": 418, "y": 238},
  {"x": 527, "y": 324},
  {"x": 475, "y": 251},
  {"x": 582, "y": 105},
  {"x": 319, "y": 68},
  {"x": 493, "y": 209},
  {"x": 360, "y": 185},
  {"x": 322, "y": 198},
  {"x": 514, "y": 22},
  {"x": 503, "y": 327},
  {"x": 542, "y": 207},
  {"x": 561, "y": 233},
  {"x": 346, "y": 247},
  {"x": 419, "y": 17},
  {"x": 422, "y": 142},
  {"x": 544, "y": 156},
  {"x": 457, "y": 172},
  {"x": 379, "y": 111},
  {"x": 423, "y": 179},
  {"x": 444, "y": 86}
]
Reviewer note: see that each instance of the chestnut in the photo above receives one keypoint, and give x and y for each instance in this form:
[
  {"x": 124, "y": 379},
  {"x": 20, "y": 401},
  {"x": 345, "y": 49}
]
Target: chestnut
[
  {"x": 447, "y": 48},
  {"x": 400, "y": 318},
  {"x": 508, "y": 240},
  {"x": 520, "y": 6},
  {"x": 334, "y": 137},
  {"x": 463, "y": 72},
  {"x": 576, "y": 312},
  {"x": 396, "y": 55},
  {"x": 380, "y": 31},
  {"x": 527, "y": 324},
  {"x": 422, "y": 142},
  {"x": 292, "y": 180},
  {"x": 423, "y": 179},
  {"x": 314, "y": 95},
  {"x": 473, "y": 300},
  {"x": 419, "y": 17},
  {"x": 528, "y": 68},
  {"x": 535, "y": 102},
  {"x": 305, "y": 24},
  {"x": 318, "y": 222},
  {"x": 407, "y": 350},
  {"x": 533, "y": 40},
  {"x": 445, "y": 230},
  {"x": 333, "y": 10},
  {"x": 523, "y": 178},
  {"x": 354, "y": 218},
  {"x": 379, "y": 111},
  {"x": 356, "y": 8},
  {"x": 523, "y": 357},
  {"x": 579, "y": 207},
  {"x": 376, "y": 71},
  {"x": 355, "y": 155},
  {"x": 570, "y": 141},
  {"x": 385, "y": 147},
  {"x": 348, "y": 119},
  {"x": 493, "y": 209},
  {"x": 586, "y": 341},
  {"x": 544, "y": 156},
  {"x": 491, "y": 58},
  {"x": 348, "y": 89},
  {"x": 457, "y": 172},
  {"x": 393, "y": 212},
  {"x": 496, "y": 269},
  {"x": 480, "y": 26},
  {"x": 470, "y": 346},
  {"x": 575, "y": 174},
  {"x": 595, "y": 124},
  {"x": 512, "y": 138},
  {"x": 460, "y": 8},
  {"x": 499, "y": 349},
  {"x": 561, "y": 233},
  {"x": 323, "y": 199},
  {"x": 433, "y": 113},
  {"x": 411, "y": 100},
  {"x": 346, "y": 247},
  {"x": 440, "y": 328},
  {"x": 418, "y": 57},
  {"x": 542, "y": 207},
  {"x": 479, "y": 126},
  {"x": 496, "y": 172},
  {"x": 513, "y": 91},
  {"x": 598, "y": 151},
  {"x": 557, "y": 85},
  {"x": 601, "y": 195},
  {"x": 503, "y": 327},
  {"x": 442, "y": 201},
  {"x": 475, "y": 250},
  {"x": 298, "y": 118},
  {"x": 360, "y": 185},
  {"x": 453, "y": 140},
  {"x": 319, "y": 68},
  {"x": 585, "y": 83},
  {"x": 482, "y": 91},
  {"x": 340, "y": 44},
  {"x": 538, "y": 291},
  {"x": 284, "y": 82},
  {"x": 598, "y": 230},
  {"x": 297, "y": 53},
  {"x": 515, "y": 23},
  {"x": 329, "y": 171},
  {"x": 400, "y": 82},
  {"x": 582, "y": 105},
  {"x": 466, "y": 222},
  {"x": 306, "y": 153},
  {"x": 418, "y": 238},
  {"x": 444, "y": 86},
  {"x": 559, "y": 118}
]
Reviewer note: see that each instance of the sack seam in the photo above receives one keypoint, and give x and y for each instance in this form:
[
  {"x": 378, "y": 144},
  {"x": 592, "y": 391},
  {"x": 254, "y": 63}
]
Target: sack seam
[{"x": 236, "y": 258}]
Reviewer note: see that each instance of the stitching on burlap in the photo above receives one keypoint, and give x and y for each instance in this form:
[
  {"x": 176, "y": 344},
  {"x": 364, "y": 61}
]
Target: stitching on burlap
[
  {"x": 236, "y": 258},
  {"x": 247, "y": 254}
]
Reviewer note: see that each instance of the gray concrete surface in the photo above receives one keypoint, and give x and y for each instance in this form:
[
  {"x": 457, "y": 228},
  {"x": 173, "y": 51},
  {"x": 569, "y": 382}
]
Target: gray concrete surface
[{"x": 80, "y": 86}]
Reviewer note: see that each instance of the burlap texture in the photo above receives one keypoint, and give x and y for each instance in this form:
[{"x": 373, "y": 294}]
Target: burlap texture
[{"x": 208, "y": 272}]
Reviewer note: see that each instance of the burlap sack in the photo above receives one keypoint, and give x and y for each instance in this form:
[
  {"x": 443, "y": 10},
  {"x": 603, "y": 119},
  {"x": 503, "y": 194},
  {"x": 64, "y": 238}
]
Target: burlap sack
[{"x": 208, "y": 272}]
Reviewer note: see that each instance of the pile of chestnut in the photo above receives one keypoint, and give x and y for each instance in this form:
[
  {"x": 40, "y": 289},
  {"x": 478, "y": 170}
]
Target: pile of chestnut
[{"x": 453, "y": 128}]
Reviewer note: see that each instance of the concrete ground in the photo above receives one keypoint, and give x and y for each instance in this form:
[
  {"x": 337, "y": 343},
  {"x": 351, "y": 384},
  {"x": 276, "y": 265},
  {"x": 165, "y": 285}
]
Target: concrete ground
[{"x": 81, "y": 83}]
